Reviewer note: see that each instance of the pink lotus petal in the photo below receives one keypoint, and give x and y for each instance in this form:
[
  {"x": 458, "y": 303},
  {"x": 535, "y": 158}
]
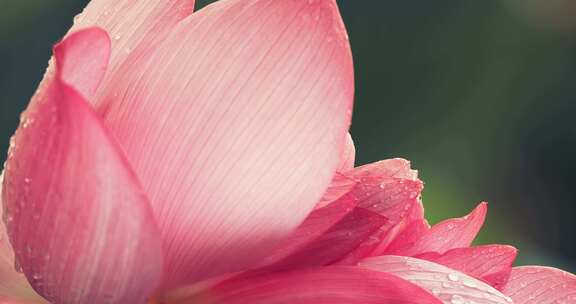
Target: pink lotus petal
[
  {"x": 339, "y": 187},
  {"x": 9, "y": 300},
  {"x": 393, "y": 197},
  {"x": 329, "y": 285},
  {"x": 354, "y": 229},
  {"x": 136, "y": 26},
  {"x": 349, "y": 156},
  {"x": 407, "y": 236},
  {"x": 490, "y": 263},
  {"x": 376, "y": 244},
  {"x": 396, "y": 168},
  {"x": 389, "y": 188},
  {"x": 449, "y": 285},
  {"x": 243, "y": 112},
  {"x": 83, "y": 59},
  {"x": 79, "y": 222},
  {"x": 14, "y": 288},
  {"x": 341, "y": 184},
  {"x": 314, "y": 227},
  {"x": 447, "y": 235},
  {"x": 388, "y": 194},
  {"x": 541, "y": 285}
]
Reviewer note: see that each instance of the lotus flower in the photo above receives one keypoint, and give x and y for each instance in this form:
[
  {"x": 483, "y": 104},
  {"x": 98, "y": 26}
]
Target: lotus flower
[{"x": 179, "y": 157}]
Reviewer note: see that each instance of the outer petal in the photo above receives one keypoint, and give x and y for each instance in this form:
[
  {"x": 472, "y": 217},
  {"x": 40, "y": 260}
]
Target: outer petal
[
  {"x": 388, "y": 190},
  {"x": 354, "y": 229},
  {"x": 388, "y": 195},
  {"x": 80, "y": 224},
  {"x": 314, "y": 227},
  {"x": 243, "y": 113},
  {"x": 451, "y": 286},
  {"x": 490, "y": 263},
  {"x": 398, "y": 200},
  {"x": 339, "y": 187},
  {"x": 396, "y": 168},
  {"x": 391, "y": 189},
  {"x": 341, "y": 184},
  {"x": 82, "y": 60},
  {"x": 136, "y": 26},
  {"x": 408, "y": 236},
  {"x": 330, "y": 285},
  {"x": 348, "y": 156},
  {"x": 541, "y": 285},
  {"x": 14, "y": 288},
  {"x": 449, "y": 234}
]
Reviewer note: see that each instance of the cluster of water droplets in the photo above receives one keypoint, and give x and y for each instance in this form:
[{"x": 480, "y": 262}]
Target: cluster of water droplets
[
  {"x": 448, "y": 285},
  {"x": 394, "y": 191},
  {"x": 455, "y": 281},
  {"x": 21, "y": 192}
]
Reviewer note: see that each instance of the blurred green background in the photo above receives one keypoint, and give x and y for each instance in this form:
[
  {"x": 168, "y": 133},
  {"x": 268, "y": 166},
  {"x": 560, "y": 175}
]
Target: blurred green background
[{"x": 478, "y": 94}]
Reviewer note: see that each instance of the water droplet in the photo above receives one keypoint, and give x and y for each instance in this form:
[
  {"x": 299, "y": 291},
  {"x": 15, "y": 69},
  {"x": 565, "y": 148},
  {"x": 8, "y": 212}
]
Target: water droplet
[
  {"x": 470, "y": 284},
  {"x": 17, "y": 265},
  {"x": 117, "y": 37},
  {"x": 23, "y": 117},
  {"x": 78, "y": 18},
  {"x": 12, "y": 143},
  {"x": 27, "y": 122},
  {"x": 453, "y": 277},
  {"x": 456, "y": 299}
]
